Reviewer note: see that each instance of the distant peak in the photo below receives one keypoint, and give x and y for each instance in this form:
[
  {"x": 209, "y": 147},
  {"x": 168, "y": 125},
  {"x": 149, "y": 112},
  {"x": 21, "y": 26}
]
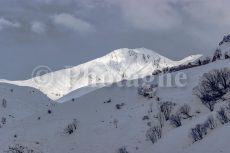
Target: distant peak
[{"x": 128, "y": 51}]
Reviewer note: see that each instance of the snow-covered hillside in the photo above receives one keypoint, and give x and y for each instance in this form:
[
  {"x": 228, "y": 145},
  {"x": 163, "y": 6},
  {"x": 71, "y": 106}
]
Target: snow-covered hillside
[
  {"x": 103, "y": 128},
  {"x": 21, "y": 102},
  {"x": 113, "y": 67}
]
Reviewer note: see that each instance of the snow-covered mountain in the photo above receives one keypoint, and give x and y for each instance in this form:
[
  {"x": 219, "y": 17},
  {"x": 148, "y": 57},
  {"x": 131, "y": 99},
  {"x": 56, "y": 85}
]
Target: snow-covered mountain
[
  {"x": 97, "y": 131},
  {"x": 118, "y": 65},
  {"x": 114, "y": 113}
]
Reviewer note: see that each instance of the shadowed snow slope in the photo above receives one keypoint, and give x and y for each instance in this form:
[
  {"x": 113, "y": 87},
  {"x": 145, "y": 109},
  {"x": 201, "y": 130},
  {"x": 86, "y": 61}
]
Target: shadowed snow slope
[{"x": 118, "y": 65}]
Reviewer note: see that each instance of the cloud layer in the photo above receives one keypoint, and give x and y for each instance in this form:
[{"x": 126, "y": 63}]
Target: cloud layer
[
  {"x": 71, "y": 22},
  {"x": 4, "y": 23},
  {"x": 75, "y": 31}
]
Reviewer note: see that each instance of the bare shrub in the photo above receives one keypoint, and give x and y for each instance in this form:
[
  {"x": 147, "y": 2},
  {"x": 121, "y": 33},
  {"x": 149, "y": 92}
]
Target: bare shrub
[
  {"x": 185, "y": 111},
  {"x": 20, "y": 149},
  {"x": 119, "y": 106},
  {"x": 71, "y": 127},
  {"x": 147, "y": 91},
  {"x": 154, "y": 133},
  {"x": 175, "y": 120},
  {"x": 122, "y": 150},
  {"x": 198, "y": 132},
  {"x": 222, "y": 116},
  {"x": 146, "y": 117},
  {"x": 210, "y": 123},
  {"x": 166, "y": 109}
]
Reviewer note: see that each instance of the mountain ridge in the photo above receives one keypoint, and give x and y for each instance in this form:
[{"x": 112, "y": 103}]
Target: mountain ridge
[{"x": 115, "y": 66}]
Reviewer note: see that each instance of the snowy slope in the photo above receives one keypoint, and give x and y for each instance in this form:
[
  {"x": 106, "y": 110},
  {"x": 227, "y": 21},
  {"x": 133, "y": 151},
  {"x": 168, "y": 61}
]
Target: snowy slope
[
  {"x": 118, "y": 65},
  {"x": 98, "y": 134},
  {"x": 21, "y": 102}
]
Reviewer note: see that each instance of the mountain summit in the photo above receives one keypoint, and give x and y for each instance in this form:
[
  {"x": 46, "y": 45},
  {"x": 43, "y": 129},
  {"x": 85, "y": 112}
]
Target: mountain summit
[{"x": 116, "y": 66}]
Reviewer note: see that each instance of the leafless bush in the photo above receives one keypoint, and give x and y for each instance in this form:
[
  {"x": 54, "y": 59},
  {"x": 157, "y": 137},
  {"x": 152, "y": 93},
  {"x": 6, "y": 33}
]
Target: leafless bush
[
  {"x": 154, "y": 133},
  {"x": 222, "y": 116},
  {"x": 185, "y": 111},
  {"x": 122, "y": 150},
  {"x": 71, "y": 127},
  {"x": 166, "y": 109},
  {"x": 210, "y": 123},
  {"x": 147, "y": 91},
  {"x": 119, "y": 106},
  {"x": 20, "y": 149},
  {"x": 198, "y": 132},
  {"x": 146, "y": 117},
  {"x": 175, "y": 120}
]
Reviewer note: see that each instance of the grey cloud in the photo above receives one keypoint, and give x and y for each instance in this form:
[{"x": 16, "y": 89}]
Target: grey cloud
[
  {"x": 71, "y": 22},
  {"x": 4, "y": 23},
  {"x": 150, "y": 14},
  {"x": 174, "y": 28},
  {"x": 38, "y": 27}
]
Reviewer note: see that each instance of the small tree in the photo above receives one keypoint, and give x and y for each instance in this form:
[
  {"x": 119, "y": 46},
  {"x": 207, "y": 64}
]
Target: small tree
[
  {"x": 213, "y": 86},
  {"x": 154, "y": 133}
]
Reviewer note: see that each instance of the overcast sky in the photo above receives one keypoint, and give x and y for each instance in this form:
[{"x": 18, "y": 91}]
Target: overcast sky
[{"x": 60, "y": 33}]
